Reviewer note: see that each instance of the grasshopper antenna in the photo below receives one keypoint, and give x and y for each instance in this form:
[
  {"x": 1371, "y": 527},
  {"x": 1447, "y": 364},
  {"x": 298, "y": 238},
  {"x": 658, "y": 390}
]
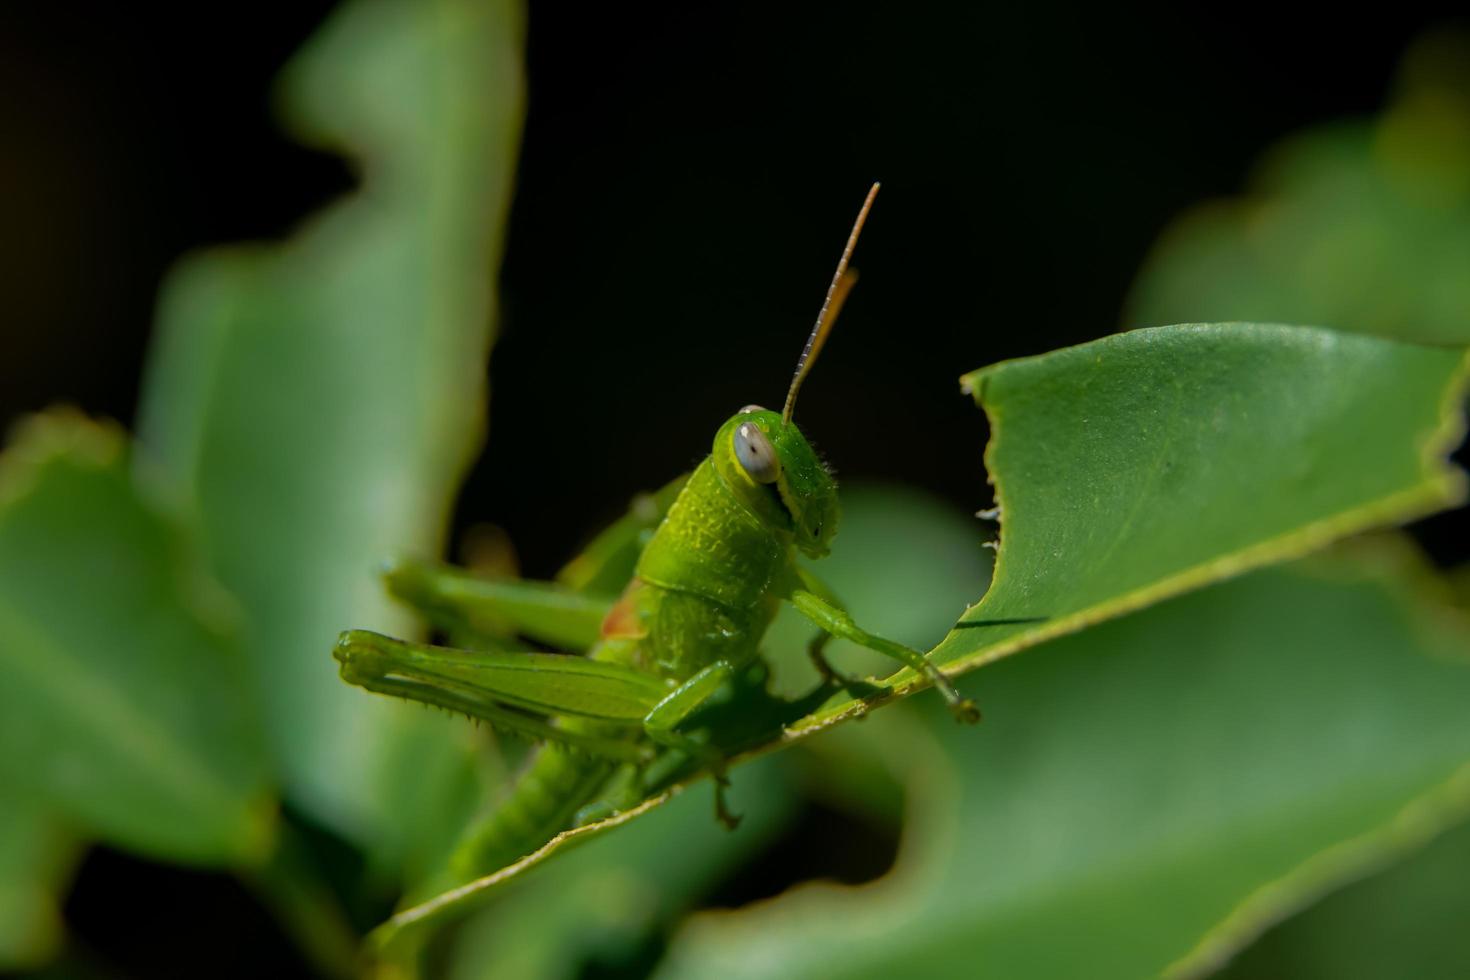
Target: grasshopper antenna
[{"x": 842, "y": 283}]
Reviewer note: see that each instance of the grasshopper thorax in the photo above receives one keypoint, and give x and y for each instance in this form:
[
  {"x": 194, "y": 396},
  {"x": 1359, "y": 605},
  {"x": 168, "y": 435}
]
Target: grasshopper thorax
[{"x": 774, "y": 471}]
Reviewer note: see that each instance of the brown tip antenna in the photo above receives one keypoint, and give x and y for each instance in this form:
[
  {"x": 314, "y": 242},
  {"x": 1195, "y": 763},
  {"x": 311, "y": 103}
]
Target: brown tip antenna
[{"x": 842, "y": 283}]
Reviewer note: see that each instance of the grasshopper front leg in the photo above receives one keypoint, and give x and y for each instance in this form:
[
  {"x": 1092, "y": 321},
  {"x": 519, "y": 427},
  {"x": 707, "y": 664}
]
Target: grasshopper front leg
[
  {"x": 816, "y": 649},
  {"x": 836, "y": 621},
  {"x": 662, "y": 723}
]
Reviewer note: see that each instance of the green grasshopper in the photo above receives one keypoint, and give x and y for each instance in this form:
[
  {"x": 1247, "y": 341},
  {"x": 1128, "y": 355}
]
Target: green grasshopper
[{"x": 702, "y": 567}]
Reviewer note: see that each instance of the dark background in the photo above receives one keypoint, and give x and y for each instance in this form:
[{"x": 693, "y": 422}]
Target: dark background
[{"x": 688, "y": 176}]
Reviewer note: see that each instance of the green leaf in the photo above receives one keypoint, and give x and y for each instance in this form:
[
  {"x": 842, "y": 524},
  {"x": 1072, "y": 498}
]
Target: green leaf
[
  {"x": 1362, "y": 225},
  {"x": 1407, "y": 921},
  {"x": 1148, "y": 796},
  {"x": 1151, "y": 462},
  {"x": 317, "y": 401},
  {"x": 126, "y": 706}
]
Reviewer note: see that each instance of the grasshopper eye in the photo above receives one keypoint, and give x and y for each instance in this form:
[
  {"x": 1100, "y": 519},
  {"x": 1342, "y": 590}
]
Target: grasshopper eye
[{"x": 756, "y": 454}]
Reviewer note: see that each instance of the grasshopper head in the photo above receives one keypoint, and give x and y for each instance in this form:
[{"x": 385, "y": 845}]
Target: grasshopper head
[
  {"x": 763, "y": 456},
  {"x": 770, "y": 465}
]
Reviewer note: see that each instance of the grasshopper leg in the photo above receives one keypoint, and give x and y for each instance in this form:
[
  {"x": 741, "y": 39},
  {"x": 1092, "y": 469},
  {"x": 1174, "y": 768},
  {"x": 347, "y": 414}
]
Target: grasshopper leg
[
  {"x": 662, "y": 723},
  {"x": 460, "y": 602},
  {"x": 838, "y": 623},
  {"x": 523, "y": 692},
  {"x": 816, "y": 650}
]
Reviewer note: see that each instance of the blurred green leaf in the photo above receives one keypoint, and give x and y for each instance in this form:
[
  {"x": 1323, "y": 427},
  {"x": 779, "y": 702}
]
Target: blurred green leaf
[
  {"x": 1362, "y": 225},
  {"x": 317, "y": 401},
  {"x": 126, "y": 706},
  {"x": 1151, "y": 462},
  {"x": 1407, "y": 921},
  {"x": 35, "y": 859},
  {"x": 1148, "y": 796}
]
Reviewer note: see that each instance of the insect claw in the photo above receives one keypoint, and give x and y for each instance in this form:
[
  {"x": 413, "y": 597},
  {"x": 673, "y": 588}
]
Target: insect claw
[
  {"x": 965, "y": 712},
  {"x": 722, "y": 810}
]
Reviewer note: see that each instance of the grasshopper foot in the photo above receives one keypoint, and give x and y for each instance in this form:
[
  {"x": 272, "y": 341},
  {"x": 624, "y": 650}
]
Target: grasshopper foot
[
  {"x": 965, "y": 712},
  {"x": 722, "y": 810}
]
